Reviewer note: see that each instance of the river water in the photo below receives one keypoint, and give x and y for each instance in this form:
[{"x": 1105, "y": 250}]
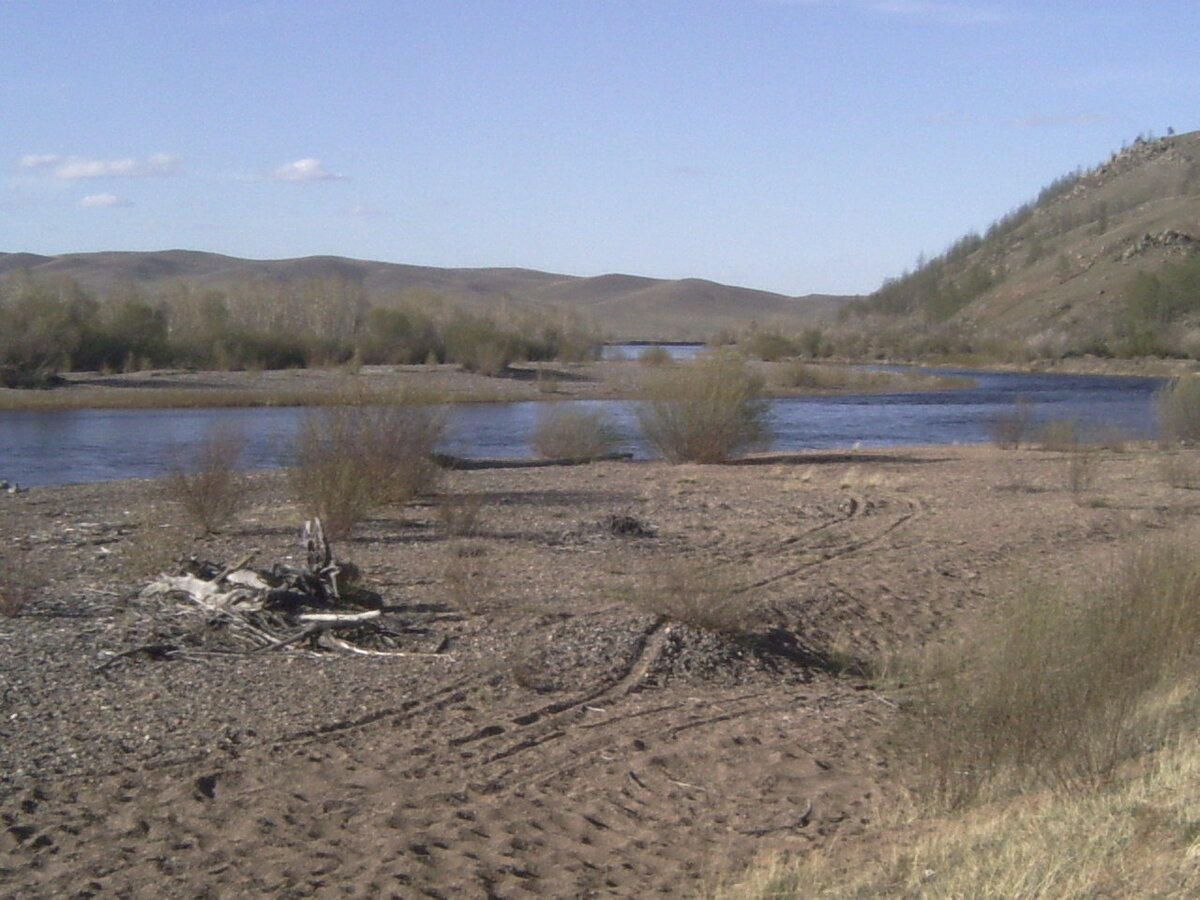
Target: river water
[{"x": 71, "y": 446}]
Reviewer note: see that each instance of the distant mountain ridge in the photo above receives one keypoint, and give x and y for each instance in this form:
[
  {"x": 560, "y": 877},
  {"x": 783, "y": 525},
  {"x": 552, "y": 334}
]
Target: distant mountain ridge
[{"x": 625, "y": 306}]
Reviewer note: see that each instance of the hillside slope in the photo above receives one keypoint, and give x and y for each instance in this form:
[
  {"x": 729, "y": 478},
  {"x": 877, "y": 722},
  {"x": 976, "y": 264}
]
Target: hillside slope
[{"x": 1054, "y": 276}]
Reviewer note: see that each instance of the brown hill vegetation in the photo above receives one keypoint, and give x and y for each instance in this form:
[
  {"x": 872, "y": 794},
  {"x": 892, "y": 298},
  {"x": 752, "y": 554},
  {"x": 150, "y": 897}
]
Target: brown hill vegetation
[{"x": 1099, "y": 263}]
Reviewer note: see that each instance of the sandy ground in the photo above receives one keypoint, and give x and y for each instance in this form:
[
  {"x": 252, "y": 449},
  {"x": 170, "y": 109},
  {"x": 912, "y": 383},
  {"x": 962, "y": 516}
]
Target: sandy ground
[{"x": 551, "y": 734}]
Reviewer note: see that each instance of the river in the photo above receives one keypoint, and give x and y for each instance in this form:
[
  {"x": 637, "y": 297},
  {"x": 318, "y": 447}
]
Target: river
[{"x": 62, "y": 447}]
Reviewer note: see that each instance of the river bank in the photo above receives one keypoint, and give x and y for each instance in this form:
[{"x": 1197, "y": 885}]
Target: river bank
[
  {"x": 561, "y": 726},
  {"x": 600, "y": 380}
]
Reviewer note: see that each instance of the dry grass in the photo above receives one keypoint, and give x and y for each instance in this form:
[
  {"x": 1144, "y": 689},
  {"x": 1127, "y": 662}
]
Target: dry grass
[
  {"x": 1054, "y": 757},
  {"x": 460, "y": 514},
  {"x": 17, "y": 585},
  {"x": 206, "y": 481},
  {"x": 1134, "y": 837},
  {"x": 468, "y": 576},
  {"x": 351, "y": 460},
  {"x": 1055, "y": 692},
  {"x": 693, "y": 593},
  {"x": 1010, "y": 427},
  {"x": 573, "y": 432},
  {"x": 156, "y": 546},
  {"x": 706, "y": 411},
  {"x": 1181, "y": 469},
  {"x": 1179, "y": 410}
]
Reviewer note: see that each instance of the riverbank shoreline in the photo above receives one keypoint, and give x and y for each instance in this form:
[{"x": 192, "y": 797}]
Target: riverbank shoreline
[{"x": 600, "y": 380}]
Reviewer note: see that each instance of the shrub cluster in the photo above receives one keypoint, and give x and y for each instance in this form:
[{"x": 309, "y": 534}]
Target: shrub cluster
[
  {"x": 706, "y": 411},
  {"x": 352, "y": 459}
]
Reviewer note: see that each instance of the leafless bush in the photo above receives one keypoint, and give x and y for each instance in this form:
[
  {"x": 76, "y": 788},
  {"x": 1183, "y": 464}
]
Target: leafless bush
[
  {"x": 1181, "y": 469},
  {"x": 459, "y": 514},
  {"x": 156, "y": 546},
  {"x": 567, "y": 431},
  {"x": 468, "y": 576},
  {"x": 205, "y": 481},
  {"x": 656, "y": 356},
  {"x": 1059, "y": 434},
  {"x": 702, "y": 596},
  {"x": 17, "y": 586},
  {"x": 351, "y": 460},
  {"x": 1010, "y": 427},
  {"x": 706, "y": 411},
  {"x": 1179, "y": 410}
]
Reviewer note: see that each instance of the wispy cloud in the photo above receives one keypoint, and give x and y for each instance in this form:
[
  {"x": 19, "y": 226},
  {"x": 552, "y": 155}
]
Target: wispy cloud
[
  {"x": 100, "y": 201},
  {"x": 944, "y": 11},
  {"x": 307, "y": 169},
  {"x": 70, "y": 168}
]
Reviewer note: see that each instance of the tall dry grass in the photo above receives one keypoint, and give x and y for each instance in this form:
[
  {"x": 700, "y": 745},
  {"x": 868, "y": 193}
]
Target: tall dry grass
[
  {"x": 1059, "y": 689},
  {"x": 1178, "y": 405},
  {"x": 1054, "y": 756},
  {"x": 17, "y": 584},
  {"x": 690, "y": 592},
  {"x": 705, "y": 411},
  {"x": 353, "y": 459}
]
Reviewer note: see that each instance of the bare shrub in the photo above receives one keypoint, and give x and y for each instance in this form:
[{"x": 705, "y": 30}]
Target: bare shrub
[
  {"x": 1082, "y": 463},
  {"x": 567, "y": 431},
  {"x": 1181, "y": 469},
  {"x": 17, "y": 586},
  {"x": 1010, "y": 427},
  {"x": 205, "y": 481},
  {"x": 156, "y": 546},
  {"x": 468, "y": 576},
  {"x": 692, "y": 593},
  {"x": 1178, "y": 405},
  {"x": 656, "y": 356},
  {"x": 707, "y": 411},
  {"x": 1060, "y": 434},
  {"x": 1063, "y": 686},
  {"x": 460, "y": 514},
  {"x": 351, "y": 460}
]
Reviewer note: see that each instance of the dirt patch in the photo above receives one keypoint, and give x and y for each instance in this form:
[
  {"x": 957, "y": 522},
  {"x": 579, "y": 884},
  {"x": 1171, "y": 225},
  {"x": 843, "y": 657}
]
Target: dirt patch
[{"x": 547, "y": 736}]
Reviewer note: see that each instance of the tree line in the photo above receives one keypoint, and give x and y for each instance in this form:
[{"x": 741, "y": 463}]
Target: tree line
[{"x": 53, "y": 325}]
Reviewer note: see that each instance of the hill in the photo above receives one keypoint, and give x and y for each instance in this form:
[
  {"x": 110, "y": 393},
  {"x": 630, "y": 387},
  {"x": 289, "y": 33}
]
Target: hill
[
  {"x": 1079, "y": 269},
  {"x": 627, "y": 307}
]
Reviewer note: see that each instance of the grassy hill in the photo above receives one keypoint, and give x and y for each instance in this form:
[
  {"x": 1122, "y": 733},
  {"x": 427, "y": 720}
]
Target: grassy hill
[
  {"x": 624, "y": 306},
  {"x": 1073, "y": 271}
]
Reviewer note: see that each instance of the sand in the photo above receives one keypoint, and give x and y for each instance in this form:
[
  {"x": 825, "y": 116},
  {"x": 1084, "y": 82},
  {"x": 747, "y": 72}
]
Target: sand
[{"x": 552, "y": 734}]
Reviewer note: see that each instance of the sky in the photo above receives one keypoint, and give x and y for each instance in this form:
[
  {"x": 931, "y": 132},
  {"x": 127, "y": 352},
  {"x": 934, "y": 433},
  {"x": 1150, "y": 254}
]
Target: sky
[{"x": 797, "y": 146}]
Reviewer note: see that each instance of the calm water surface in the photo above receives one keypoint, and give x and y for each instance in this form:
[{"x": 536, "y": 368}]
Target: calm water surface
[{"x": 95, "y": 445}]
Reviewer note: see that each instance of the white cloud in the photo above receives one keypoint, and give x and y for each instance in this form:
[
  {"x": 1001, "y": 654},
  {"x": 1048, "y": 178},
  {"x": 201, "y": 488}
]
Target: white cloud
[
  {"x": 307, "y": 169},
  {"x": 362, "y": 211},
  {"x": 943, "y": 11},
  {"x": 94, "y": 201},
  {"x": 72, "y": 167}
]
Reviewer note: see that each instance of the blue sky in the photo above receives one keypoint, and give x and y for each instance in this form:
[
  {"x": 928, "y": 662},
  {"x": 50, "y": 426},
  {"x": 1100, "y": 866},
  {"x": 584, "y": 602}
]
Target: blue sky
[{"x": 792, "y": 145}]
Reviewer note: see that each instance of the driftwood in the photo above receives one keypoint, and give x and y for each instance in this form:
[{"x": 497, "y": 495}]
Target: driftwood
[
  {"x": 446, "y": 461},
  {"x": 319, "y": 606}
]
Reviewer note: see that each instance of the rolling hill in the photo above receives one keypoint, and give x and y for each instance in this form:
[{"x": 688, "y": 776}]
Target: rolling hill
[{"x": 627, "y": 307}]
